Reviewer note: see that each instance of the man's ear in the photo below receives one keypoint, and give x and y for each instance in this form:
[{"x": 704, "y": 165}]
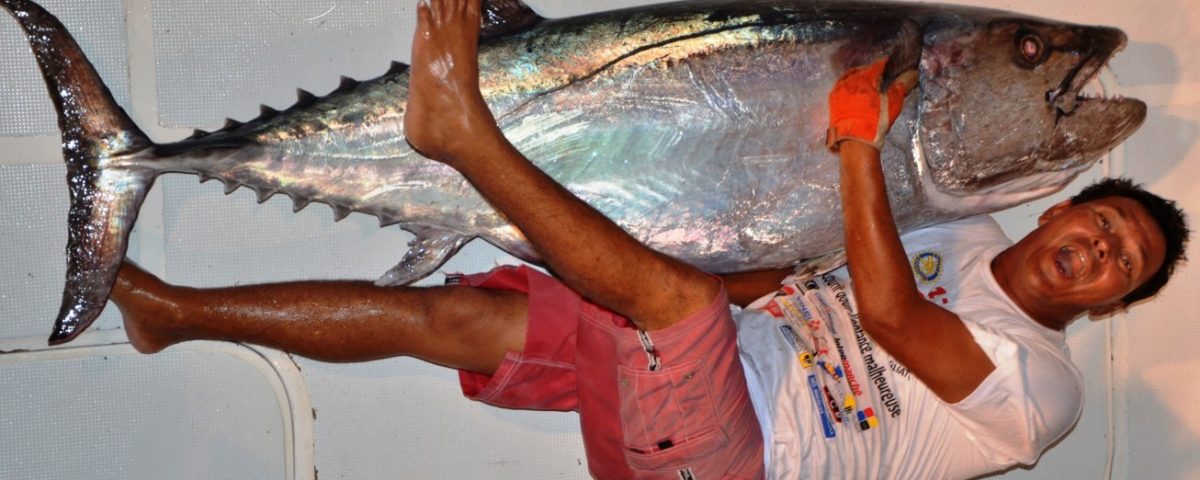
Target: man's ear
[
  {"x": 1053, "y": 210},
  {"x": 1107, "y": 310}
]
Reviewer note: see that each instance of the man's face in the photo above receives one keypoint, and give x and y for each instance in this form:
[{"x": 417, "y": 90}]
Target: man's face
[{"x": 1089, "y": 256}]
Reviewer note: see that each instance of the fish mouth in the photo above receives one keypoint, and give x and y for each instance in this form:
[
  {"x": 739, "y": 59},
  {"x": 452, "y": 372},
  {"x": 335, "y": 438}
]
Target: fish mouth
[
  {"x": 1069, "y": 262},
  {"x": 1069, "y": 95}
]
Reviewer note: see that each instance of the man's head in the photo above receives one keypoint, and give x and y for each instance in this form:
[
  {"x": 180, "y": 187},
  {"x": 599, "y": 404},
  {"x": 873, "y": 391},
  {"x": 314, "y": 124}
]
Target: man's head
[
  {"x": 1169, "y": 218},
  {"x": 1109, "y": 246}
]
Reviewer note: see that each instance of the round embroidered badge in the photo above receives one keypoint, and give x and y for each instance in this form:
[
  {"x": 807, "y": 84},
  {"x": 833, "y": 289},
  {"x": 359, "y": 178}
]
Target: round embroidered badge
[{"x": 927, "y": 266}]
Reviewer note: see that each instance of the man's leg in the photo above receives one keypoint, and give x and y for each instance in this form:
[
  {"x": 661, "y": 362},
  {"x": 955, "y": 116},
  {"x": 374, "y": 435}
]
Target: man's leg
[
  {"x": 334, "y": 321},
  {"x": 447, "y": 119}
]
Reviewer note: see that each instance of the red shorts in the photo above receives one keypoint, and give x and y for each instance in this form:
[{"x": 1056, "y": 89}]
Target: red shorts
[{"x": 662, "y": 405}]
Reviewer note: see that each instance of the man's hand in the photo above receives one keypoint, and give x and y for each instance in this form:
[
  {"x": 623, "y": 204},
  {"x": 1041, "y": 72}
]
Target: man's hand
[{"x": 860, "y": 109}]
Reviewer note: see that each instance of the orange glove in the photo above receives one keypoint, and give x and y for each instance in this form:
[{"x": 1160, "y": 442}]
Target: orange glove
[{"x": 856, "y": 105}]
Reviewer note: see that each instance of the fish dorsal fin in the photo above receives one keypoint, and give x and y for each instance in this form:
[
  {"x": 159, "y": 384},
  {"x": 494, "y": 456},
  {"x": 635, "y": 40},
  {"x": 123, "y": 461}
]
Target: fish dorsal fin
[{"x": 501, "y": 17}]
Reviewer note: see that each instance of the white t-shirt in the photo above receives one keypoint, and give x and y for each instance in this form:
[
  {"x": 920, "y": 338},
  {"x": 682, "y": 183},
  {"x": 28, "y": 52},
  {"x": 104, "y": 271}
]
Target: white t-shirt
[{"x": 834, "y": 405}]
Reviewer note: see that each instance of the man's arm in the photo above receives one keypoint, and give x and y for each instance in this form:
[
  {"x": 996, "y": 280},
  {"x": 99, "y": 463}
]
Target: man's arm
[
  {"x": 746, "y": 287},
  {"x": 932, "y": 342},
  {"x": 447, "y": 120}
]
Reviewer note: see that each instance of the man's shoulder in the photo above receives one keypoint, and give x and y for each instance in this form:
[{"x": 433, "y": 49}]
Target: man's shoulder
[{"x": 977, "y": 227}]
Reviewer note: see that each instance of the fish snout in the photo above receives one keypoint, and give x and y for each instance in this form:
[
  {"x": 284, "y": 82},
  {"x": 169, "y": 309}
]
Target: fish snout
[
  {"x": 1095, "y": 45},
  {"x": 1106, "y": 41}
]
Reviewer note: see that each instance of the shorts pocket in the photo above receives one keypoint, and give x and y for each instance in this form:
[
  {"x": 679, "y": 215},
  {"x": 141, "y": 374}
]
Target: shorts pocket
[{"x": 668, "y": 416}]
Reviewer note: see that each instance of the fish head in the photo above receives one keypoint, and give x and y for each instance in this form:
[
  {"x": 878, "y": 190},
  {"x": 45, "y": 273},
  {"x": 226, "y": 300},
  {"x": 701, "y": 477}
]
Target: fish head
[{"x": 1003, "y": 107}]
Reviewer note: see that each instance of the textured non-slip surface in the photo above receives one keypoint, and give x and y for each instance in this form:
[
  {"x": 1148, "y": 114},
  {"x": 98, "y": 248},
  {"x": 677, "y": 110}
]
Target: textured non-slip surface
[
  {"x": 222, "y": 59},
  {"x": 98, "y": 26},
  {"x": 33, "y": 234},
  {"x": 112, "y": 413}
]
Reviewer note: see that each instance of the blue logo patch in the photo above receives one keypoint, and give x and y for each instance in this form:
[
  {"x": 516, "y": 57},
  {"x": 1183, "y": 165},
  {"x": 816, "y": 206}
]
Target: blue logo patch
[{"x": 927, "y": 266}]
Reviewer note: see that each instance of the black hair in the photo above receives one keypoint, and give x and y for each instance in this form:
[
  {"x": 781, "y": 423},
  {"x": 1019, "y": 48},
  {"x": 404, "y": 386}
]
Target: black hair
[{"x": 1166, "y": 213}]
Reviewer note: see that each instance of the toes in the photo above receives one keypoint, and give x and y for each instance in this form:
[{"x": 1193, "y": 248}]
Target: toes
[
  {"x": 442, "y": 10},
  {"x": 472, "y": 10},
  {"x": 423, "y": 13}
]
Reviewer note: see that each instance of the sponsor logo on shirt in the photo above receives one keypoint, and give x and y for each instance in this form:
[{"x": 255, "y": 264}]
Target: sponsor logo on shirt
[
  {"x": 937, "y": 295},
  {"x": 803, "y": 356},
  {"x": 833, "y": 406},
  {"x": 927, "y": 266},
  {"x": 875, "y": 371},
  {"x": 866, "y": 419},
  {"x": 822, "y": 412}
]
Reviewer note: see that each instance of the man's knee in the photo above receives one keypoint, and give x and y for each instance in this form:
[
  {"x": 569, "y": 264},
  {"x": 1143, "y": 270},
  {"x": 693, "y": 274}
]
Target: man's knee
[{"x": 477, "y": 318}]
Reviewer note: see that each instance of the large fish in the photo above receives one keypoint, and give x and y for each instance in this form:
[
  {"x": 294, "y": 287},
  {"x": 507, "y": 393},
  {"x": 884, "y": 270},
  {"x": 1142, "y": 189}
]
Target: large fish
[{"x": 698, "y": 127}]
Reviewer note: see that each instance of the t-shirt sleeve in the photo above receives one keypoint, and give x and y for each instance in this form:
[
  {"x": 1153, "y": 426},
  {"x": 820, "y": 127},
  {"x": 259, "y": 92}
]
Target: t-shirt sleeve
[{"x": 1032, "y": 398}]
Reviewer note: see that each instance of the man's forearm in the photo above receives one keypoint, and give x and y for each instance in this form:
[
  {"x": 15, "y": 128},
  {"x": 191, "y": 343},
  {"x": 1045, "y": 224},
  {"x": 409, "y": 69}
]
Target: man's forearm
[
  {"x": 932, "y": 342},
  {"x": 873, "y": 250}
]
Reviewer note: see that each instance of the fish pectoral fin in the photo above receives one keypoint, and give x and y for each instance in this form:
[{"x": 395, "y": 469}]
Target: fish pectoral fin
[
  {"x": 428, "y": 251},
  {"x": 811, "y": 267}
]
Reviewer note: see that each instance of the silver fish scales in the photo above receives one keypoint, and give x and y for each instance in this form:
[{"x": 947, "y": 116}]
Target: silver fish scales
[{"x": 698, "y": 127}]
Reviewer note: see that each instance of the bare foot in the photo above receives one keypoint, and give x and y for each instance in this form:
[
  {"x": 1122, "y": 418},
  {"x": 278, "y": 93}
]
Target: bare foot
[
  {"x": 145, "y": 308},
  {"x": 446, "y": 115}
]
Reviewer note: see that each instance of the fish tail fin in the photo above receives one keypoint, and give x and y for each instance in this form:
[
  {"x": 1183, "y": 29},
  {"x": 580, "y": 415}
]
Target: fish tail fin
[{"x": 101, "y": 146}]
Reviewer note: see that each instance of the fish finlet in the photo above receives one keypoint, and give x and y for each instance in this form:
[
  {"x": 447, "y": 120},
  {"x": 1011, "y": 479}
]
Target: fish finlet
[
  {"x": 396, "y": 68},
  {"x": 347, "y": 83},
  {"x": 298, "y": 203},
  {"x": 386, "y": 220},
  {"x": 304, "y": 98},
  {"x": 265, "y": 112},
  {"x": 265, "y": 193},
  {"x": 339, "y": 212}
]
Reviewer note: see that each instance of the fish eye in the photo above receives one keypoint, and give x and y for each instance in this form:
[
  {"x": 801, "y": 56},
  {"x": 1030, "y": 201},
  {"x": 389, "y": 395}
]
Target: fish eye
[{"x": 1031, "y": 48}]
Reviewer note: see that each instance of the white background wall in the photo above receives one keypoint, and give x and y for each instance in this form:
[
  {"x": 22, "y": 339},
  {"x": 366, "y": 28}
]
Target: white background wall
[{"x": 98, "y": 410}]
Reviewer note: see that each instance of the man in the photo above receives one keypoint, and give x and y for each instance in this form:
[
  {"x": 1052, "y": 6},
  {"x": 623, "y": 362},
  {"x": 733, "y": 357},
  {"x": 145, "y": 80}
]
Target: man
[{"x": 890, "y": 385}]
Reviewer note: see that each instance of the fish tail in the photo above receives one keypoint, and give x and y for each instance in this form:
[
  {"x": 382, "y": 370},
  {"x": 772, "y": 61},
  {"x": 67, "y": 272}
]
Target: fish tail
[{"x": 101, "y": 146}]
